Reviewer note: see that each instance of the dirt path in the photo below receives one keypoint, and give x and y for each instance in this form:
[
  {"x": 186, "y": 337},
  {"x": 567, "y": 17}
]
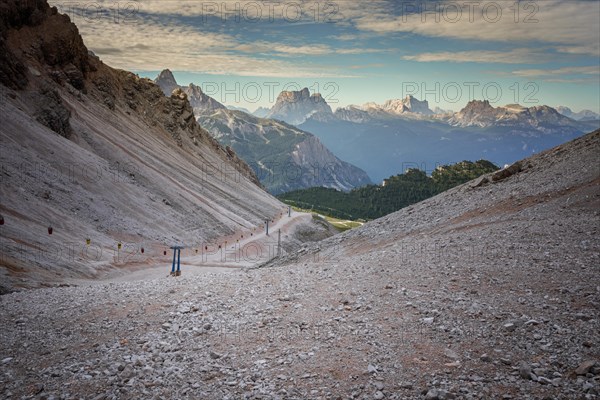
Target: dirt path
[{"x": 244, "y": 249}]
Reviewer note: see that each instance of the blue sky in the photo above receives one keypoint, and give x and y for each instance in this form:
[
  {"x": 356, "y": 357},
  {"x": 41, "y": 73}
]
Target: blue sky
[{"x": 244, "y": 53}]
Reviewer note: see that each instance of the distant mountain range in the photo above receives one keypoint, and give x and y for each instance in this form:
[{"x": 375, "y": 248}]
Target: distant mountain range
[
  {"x": 385, "y": 139},
  {"x": 234, "y": 108},
  {"x": 284, "y": 157},
  {"x": 538, "y": 118},
  {"x": 297, "y": 107},
  {"x": 584, "y": 115},
  {"x": 408, "y": 107},
  {"x": 261, "y": 112},
  {"x": 300, "y": 106}
]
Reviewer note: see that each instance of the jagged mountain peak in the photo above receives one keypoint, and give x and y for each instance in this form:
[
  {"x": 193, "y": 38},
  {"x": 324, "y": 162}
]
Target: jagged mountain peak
[
  {"x": 166, "y": 81},
  {"x": 199, "y": 100},
  {"x": 261, "y": 112},
  {"x": 166, "y": 74},
  {"x": 295, "y": 107},
  {"x": 477, "y": 105},
  {"x": 583, "y": 115},
  {"x": 408, "y": 107},
  {"x": 481, "y": 113},
  {"x": 195, "y": 89},
  {"x": 299, "y": 95},
  {"x": 408, "y": 104},
  {"x": 317, "y": 96}
]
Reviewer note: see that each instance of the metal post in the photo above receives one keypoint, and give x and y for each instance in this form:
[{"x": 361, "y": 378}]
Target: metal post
[
  {"x": 267, "y": 222},
  {"x": 178, "y": 262},
  {"x": 278, "y": 242},
  {"x": 173, "y": 268}
]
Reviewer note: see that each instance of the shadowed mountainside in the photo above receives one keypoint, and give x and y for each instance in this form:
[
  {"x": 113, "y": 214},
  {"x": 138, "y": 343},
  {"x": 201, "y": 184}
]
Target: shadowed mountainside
[{"x": 97, "y": 153}]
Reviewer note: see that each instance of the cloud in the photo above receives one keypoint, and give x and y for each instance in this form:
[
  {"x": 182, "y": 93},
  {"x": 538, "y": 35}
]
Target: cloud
[
  {"x": 359, "y": 51},
  {"x": 157, "y": 36},
  {"x": 365, "y": 66},
  {"x": 573, "y": 80},
  {"x": 253, "y": 11},
  {"x": 162, "y": 33},
  {"x": 571, "y": 26},
  {"x": 540, "y": 73},
  {"x": 345, "y": 37},
  {"x": 590, "y": 49},
  {"x": 301, "y": 50},
  {"x": 151, "y": 44},
  {"x": 516, "y": 56}
]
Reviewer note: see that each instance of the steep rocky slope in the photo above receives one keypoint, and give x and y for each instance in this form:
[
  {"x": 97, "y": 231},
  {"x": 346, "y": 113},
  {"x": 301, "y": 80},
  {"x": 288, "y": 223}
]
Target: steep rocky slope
[
  {"x": 284, "y": 157},
  {"x": 100, "y": 154},
  {"x": 487, "y": 291}
]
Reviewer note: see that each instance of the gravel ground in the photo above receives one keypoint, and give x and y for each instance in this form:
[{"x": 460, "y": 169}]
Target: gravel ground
[{"x": 487, "y": 291}]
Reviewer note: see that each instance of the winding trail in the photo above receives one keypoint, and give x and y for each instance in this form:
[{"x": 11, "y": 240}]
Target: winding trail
[{"x": 254, "y": 248}]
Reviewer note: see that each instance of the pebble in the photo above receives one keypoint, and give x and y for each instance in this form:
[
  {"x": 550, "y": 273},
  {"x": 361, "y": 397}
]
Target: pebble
[
  {"x": 584, "y": 367},
  {"x": 451, "y": 354},
  {"x": 525, "y": 370},
  {"x": 509, "y": 327}
]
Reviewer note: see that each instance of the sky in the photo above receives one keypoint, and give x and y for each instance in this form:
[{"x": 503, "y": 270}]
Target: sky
[{"x": 243, "y": 53}]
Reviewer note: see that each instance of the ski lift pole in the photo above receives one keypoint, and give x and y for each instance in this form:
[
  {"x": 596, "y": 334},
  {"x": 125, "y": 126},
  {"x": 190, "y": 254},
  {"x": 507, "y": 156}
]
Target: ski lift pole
[
  {"x": 173, "y": 267},
  {"x": 176, "y": 255},
  {"x": 278, "y": 242}
]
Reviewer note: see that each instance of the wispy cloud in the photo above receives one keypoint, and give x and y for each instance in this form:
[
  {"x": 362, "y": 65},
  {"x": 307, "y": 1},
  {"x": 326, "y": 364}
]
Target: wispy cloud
[
  {"x": 345, "y": 37},
  {"x": 590, "y": 49},
  {"x": 540, "y": 73},
  {"x": 151, "y": 45},
  {"x": 570, "y": 26},
  {"x": 302, "y": 50},
  {"x": 515, "y": 56},
  {"x": 573, "y": 80}
]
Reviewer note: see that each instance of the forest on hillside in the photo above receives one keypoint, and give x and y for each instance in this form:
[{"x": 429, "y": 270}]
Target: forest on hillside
[{"x": 399, "y": 191}]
